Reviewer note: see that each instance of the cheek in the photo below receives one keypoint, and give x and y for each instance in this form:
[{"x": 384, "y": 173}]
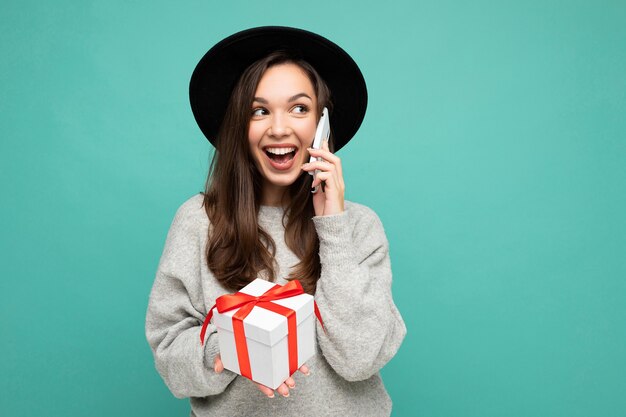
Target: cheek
[
  {"x": 307, "y": 132},
  {"x": 254, "y": 135}
]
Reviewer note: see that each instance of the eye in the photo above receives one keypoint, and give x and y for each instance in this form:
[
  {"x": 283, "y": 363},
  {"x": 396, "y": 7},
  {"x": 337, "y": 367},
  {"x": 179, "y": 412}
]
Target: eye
[
  {"x": 259, "y": 111},
  {"x": 300, "y": 109}
]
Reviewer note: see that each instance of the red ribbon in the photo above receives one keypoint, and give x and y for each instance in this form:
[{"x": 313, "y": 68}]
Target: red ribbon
[{"x": 245, "y": 303}]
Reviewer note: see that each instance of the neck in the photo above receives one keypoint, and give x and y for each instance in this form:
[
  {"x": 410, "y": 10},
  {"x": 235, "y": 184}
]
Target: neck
[{"x": 274, "y": 195}]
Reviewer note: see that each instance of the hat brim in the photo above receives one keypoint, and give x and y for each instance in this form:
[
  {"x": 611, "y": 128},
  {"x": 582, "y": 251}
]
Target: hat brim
[{"x": 221, "y": 67}]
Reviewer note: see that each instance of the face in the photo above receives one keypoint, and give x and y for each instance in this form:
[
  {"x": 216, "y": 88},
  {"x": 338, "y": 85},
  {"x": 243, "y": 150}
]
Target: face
[{"x": 282, "y": 126}]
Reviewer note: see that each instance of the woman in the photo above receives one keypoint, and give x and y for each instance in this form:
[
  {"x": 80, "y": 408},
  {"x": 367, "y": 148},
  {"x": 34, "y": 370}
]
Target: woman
[{"x": 257, "y": 96}]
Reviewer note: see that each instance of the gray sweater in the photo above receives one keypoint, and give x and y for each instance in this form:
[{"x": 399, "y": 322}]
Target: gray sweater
[{"x": 363, "y": 326}]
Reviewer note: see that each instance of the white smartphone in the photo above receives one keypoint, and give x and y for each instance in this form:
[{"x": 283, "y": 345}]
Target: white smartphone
[{"x": 322, "y": 134}]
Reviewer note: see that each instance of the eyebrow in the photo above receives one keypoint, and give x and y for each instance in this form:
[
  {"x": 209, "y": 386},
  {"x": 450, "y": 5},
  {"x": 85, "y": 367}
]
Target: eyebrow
[{"x": 292, "y": 98}]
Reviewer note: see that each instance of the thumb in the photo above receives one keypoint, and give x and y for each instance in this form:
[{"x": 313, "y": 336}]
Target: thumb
[{"x": 218, "y": 366}]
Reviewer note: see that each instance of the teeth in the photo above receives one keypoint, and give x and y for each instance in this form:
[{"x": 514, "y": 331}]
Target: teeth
[{"x": 280, "y": 151}]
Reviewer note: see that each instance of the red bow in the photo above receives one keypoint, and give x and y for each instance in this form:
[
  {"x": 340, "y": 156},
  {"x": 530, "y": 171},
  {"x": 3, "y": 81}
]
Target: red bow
[{"x": 245, "y": 303}]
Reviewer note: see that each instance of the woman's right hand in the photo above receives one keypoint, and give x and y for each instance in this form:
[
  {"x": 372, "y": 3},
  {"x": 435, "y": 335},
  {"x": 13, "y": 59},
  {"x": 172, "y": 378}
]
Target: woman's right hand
[{"x": 283, "y": 389}]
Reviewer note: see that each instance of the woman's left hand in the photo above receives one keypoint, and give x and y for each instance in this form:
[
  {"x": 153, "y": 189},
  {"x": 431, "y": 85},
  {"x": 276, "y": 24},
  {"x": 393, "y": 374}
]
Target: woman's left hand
[{"x": 328, "y": 199}]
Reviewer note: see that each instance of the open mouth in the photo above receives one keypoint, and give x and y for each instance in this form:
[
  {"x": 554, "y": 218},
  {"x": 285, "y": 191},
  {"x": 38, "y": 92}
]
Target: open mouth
[{"x": 281, "y": 155}]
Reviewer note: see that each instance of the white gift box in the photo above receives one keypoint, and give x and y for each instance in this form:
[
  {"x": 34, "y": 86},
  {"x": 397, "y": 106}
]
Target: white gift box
[{"x": 266, "y": 336}]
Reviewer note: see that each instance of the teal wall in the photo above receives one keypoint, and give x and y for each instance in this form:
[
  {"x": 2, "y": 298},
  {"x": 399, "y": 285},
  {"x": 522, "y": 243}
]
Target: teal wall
[{"x": 493, "y": 150}]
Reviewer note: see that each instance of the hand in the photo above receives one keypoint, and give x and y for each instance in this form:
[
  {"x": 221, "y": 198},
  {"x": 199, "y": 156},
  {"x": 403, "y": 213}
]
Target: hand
[
  {"x": 329, "y": 198},
  {"x": 283, "y": 389}
]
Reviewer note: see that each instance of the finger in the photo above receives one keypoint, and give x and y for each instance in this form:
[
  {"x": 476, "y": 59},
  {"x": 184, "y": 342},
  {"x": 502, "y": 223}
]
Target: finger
[
  {"x": 325, "y": 154},
  {"x": 321, "y": 165},
  {"x": 290, "y": 382},
  {"x": 324, "y": 174},
  {"x": 327, "y": 171},
  {"x": 265, "y": 390},
  {"x": 283, "y": 390},
  {"x": 305, "y": 370},
  {"x": 335, "y": 160},
  {"x": 326, "y": 177},
  {"x": 218, "y": 366},
  {"x": 332, "y": 158}
]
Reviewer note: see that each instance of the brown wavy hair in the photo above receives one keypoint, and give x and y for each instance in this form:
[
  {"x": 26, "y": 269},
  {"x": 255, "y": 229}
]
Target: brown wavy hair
[{"x": 238, "y": 248}]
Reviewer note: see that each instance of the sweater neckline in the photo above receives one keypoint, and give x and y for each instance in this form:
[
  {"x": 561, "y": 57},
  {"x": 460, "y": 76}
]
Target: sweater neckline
[{"x": 271, "y": 212}]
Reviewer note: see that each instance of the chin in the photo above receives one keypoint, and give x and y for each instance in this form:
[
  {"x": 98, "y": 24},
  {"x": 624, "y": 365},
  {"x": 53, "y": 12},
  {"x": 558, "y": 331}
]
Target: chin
[{"x": 282, "y": 180}]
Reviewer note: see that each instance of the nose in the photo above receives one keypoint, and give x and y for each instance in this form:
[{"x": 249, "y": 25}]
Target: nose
[{"x": 279, "y": 126}]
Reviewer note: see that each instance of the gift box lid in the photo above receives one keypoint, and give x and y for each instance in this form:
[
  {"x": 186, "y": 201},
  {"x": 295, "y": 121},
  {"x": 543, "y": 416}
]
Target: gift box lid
[{"x": 264, "y": 325}]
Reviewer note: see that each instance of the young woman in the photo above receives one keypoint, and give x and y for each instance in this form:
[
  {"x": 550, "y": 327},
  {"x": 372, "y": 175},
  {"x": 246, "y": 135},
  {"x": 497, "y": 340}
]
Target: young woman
[{"x": 257, "y": 96}]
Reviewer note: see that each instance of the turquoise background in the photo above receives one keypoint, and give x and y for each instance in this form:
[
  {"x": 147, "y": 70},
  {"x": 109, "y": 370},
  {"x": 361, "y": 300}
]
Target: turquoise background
[{"x": 493, "y": 150}]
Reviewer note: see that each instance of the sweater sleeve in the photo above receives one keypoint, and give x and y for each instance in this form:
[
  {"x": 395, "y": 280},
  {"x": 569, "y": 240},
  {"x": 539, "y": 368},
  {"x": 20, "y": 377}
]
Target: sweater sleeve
[
  {"x": 175, "y": 315},
  {"x": 363, "y": 326}
]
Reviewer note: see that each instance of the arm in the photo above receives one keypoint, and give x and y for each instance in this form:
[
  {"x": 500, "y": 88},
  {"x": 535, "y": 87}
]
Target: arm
[
  {"x": 363, "y": 326},
  {"x": 175, "y": 314}
]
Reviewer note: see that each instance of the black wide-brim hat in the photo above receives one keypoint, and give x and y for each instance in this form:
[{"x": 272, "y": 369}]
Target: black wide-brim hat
[{"x": 218, "y": 71}]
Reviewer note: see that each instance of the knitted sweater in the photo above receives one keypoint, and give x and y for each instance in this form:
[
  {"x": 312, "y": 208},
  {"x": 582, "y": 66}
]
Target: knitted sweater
[{"x": 363, "y": 326}]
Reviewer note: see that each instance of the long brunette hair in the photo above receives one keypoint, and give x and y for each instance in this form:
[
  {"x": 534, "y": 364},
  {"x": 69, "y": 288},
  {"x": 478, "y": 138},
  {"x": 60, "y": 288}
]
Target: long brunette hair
[{"x": 238, "y": 249}]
